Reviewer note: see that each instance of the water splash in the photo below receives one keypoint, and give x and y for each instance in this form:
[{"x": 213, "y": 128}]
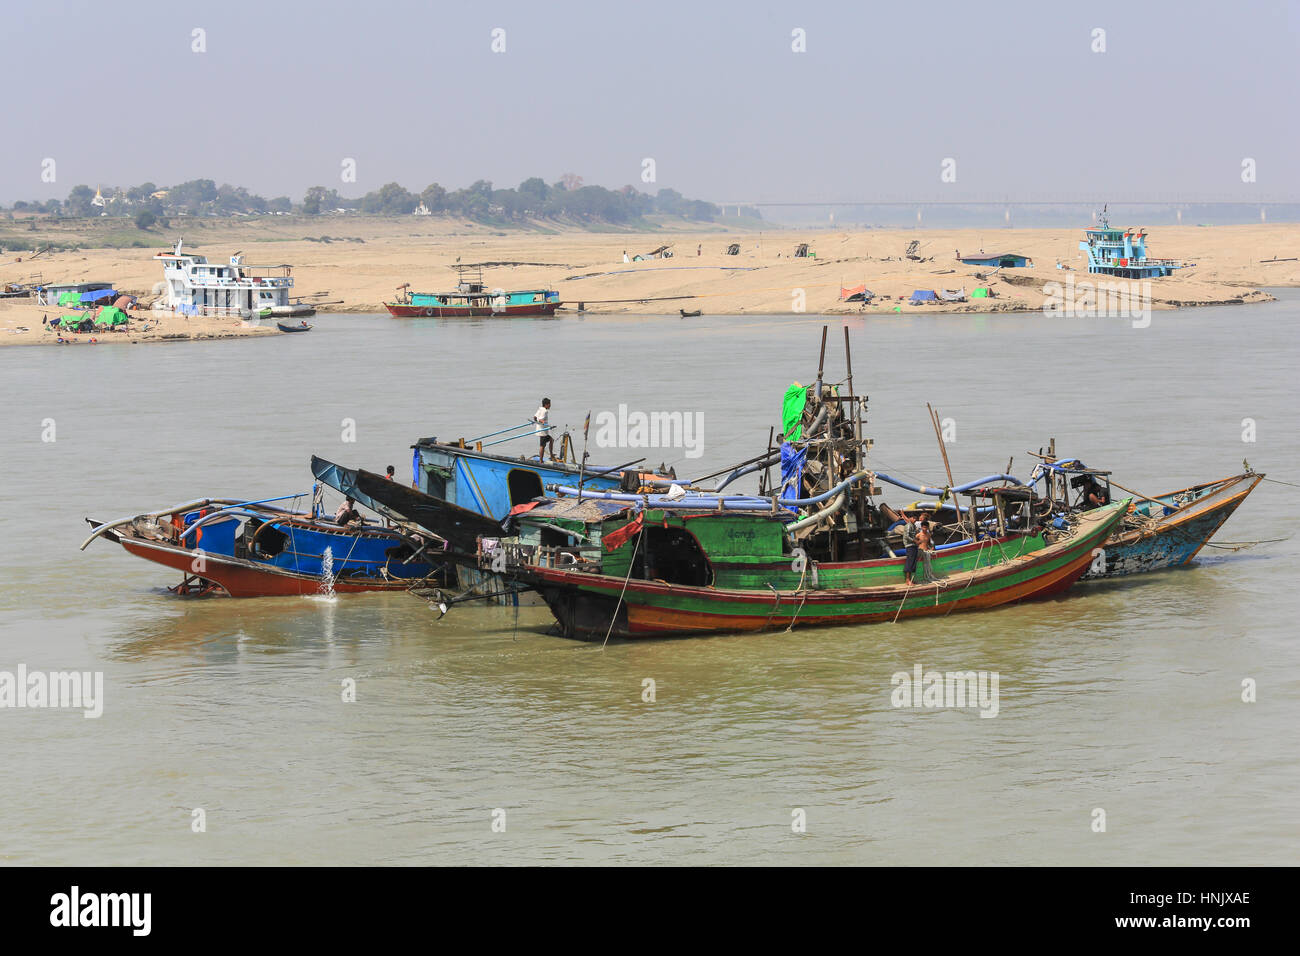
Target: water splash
[{"x": 327, "y": 573}]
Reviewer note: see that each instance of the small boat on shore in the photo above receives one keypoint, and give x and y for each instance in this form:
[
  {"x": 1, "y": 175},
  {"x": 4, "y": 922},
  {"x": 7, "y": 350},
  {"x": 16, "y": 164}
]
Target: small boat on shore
[
  {"x": 294, "y": 311},
  {"x": 255, "y": 549},
  {"x": 691, "y": 315},
  {"x": 287, "y": 327}
]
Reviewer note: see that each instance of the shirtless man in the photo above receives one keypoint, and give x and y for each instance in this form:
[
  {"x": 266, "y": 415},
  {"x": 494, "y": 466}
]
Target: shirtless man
[{"x": 925, "y": 545}]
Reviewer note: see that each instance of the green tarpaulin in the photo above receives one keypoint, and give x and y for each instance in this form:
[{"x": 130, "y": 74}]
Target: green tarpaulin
[
  {"x": 796, "y": 396},
  {"x": 980, "y": 294},
  {"x": 111, "y": 315},
  {"x": 69, "y": 298},
  {"x": 71, "y": 321}
]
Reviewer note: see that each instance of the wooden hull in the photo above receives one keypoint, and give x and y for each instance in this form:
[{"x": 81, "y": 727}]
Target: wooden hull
[
  {"x": 1174, "y": 540},
  {"x": 585, "y": 605},
  {"x": 240, "y": 578},
  {"x": 466, "y": 312}
]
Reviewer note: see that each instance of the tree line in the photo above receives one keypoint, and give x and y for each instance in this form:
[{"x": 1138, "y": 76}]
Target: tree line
[{"x": 532, "y": 199}]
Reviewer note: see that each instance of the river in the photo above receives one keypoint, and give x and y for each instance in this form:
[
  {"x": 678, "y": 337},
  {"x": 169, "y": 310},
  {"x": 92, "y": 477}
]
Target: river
[{"x": 1123, "y": 697}]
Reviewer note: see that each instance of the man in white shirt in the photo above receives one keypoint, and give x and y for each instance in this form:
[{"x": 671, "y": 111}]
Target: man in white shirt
[{"x": 541, "y": 417}]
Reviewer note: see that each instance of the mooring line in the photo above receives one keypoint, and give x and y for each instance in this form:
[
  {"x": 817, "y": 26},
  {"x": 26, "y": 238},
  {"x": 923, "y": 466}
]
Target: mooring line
[{"x": 631, "y": 563}]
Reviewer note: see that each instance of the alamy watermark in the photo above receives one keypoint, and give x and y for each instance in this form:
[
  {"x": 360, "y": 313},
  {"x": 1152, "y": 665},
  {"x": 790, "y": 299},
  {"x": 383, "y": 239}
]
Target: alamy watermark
[
  {"x": 1105, "y": 298},
  {"x": 637, "y": 429},
  {"x": 952, "y": 689},
  {"x": 79, "y": 690},
  {"x": 127, "y": 910}
]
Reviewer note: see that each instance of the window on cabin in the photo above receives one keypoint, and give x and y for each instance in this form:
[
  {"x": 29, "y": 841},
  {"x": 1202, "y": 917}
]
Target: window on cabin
[{"x": 435, "y": 483}]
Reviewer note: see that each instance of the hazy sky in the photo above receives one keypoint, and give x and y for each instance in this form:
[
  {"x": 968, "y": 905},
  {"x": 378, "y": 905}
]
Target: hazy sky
[{"x": 712, "y": 91}]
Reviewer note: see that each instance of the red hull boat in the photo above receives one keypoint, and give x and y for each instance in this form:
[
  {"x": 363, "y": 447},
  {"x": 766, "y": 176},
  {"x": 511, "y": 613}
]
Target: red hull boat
[{"x": 404, "y": 311}]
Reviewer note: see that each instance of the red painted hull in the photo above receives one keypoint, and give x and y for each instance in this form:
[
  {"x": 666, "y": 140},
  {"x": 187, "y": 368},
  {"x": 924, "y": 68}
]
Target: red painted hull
[
  {"x": 465, "y": 312},
  {"x": 582, "y": 602},
  {"x": 247, "y": 579}
]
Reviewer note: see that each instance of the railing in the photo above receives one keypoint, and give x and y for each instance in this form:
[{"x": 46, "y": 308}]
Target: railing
[
  {"x": 504, "y": 556},
  {"x": 208, "y": 282},
  {"x": 221, "y": 311}
]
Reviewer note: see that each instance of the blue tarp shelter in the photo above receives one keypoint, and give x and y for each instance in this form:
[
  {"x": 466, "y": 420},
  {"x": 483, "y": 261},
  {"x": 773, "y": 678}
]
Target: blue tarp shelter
[
  {"x": 792, "y": 465},
  {"x": 98, "y": 294},
  {"x": 924, "y": 295}
]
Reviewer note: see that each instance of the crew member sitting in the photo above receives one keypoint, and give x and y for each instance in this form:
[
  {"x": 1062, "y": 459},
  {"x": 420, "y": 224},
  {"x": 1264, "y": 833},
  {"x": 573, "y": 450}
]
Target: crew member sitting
[
  {"x": 1094, "y": 495},
  {"x": 347, "y": 515}
]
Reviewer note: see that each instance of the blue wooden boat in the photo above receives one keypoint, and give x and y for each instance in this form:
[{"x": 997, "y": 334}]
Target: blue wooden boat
[
  {"x": 255, "y": 549},
  {"x": 493, "y": 484},
  {"x": 1166, "y": 531},
  {"x": 463, "y": 491}
]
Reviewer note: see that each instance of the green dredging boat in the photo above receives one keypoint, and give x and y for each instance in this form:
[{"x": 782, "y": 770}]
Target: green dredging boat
[
  {"x": 658, "y": 571},
  {"x": 816, "y": 549}
]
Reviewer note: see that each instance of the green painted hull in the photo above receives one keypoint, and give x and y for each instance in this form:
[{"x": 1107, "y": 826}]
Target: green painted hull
[{"x": 753, "y": 592}]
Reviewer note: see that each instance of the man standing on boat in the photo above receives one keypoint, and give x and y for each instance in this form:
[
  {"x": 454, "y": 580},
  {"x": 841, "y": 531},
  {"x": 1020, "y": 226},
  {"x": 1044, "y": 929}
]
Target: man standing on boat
[
  {"x": 541, "y": 417},
  {"x": 909, "y": 547}
]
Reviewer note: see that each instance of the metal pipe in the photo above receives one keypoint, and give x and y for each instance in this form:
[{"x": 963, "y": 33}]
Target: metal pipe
[
  {"x": 528, "y": 424},
  {"x": 235, "y": 508},
  {"x": 747, "y": 469},
  {"x": 712, "y": 502},
  {"x": 825, "y": 514},
  {"x": 926, "y": 490},
  {"x": 501, "y": 441}
]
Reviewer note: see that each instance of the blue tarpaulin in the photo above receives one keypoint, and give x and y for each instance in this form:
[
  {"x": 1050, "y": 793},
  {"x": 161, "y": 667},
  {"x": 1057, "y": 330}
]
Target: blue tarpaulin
[
  {"x": 924, "y": 295},
  {"x": 792, "y": 463},
  {"x": 97, "y": 295}
]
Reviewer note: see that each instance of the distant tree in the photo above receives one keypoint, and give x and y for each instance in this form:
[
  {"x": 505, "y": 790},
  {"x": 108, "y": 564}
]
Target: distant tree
[
  {"x": 280, "y": 204},
  {"x": 141, "y": 192},
  {"x": 511, "y": 204},
  {"x": 145, "y": 219},
  {"x": 534, "y": 189},
  {"x": 391, "y": 199},
  {"x": 193, "y": 196},
  {"x": 311, "y": 203},
  {"x": 570, "y": 182},
  {"x": 78, "y": 203},
  {"x": 434, "y": 198}
]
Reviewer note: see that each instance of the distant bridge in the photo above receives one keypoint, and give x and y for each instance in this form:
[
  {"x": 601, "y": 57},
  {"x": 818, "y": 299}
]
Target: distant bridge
[{"x": 1078, "y": 200}]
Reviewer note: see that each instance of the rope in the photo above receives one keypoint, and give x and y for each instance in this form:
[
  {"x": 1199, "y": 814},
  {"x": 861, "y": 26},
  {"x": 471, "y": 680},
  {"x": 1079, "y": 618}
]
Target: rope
[
  {"x": 900, "y": 604},
  {"x": 1242, "y": 545},
  {"x": 802, "y": 575},
  {"x": 631, "y": 563},
  {"x": 970, "y": 579},
  {"x": 1277, "y": 481},
  {"x": 775, "y": 607}
]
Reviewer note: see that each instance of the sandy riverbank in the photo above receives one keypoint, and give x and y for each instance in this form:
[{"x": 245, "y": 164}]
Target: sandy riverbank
[
  {"x": 20, "y": 324},
  {"x": 362, "y": 261}
]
